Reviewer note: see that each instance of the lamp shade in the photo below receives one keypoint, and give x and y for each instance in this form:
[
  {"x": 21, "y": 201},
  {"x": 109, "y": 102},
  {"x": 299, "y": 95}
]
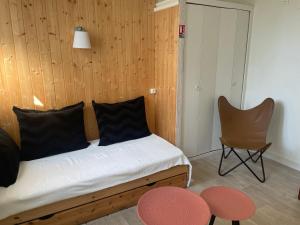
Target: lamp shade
[{"x": 81, "y": 39}]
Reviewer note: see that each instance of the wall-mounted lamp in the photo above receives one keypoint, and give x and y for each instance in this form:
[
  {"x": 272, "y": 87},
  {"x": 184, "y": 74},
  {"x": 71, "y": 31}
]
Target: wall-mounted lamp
[{"x": 81, "y": 38}]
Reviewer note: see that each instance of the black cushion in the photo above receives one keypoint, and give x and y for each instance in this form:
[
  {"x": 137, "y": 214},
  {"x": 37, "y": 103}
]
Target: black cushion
[
  {"x": 9, "y": 160},
  {"x": 46, "y": 133},
  {"x": 121, "y": 121}
]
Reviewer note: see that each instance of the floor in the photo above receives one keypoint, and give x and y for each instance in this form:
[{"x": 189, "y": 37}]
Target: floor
[{"x": 276, "y": 199}]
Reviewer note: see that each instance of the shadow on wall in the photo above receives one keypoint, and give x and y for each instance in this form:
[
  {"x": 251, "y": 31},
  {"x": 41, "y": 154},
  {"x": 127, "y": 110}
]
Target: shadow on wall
[{"x": 276, "y": 129}]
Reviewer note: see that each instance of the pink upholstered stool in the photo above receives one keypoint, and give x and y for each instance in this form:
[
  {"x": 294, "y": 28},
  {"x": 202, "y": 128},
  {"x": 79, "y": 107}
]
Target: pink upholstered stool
[
  {"x": 172, "y": 206},
  {"x": 228, "y": 203}
]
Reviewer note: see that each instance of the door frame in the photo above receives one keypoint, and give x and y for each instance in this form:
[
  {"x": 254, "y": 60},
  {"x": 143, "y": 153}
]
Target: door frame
[{"x": 181, "y": 45}]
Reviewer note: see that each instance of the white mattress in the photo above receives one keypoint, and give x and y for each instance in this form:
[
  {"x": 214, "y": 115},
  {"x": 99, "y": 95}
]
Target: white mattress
[{"x": 44, "y": 181}]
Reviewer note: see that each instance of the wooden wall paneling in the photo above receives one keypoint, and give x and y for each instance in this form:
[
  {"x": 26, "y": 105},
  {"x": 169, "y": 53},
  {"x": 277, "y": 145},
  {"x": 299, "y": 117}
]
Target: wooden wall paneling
[
  {"x": 95, "y": 82},
  {"x": 83, "y": 60},
  {"x": 97, "y": 39},
  {"x": 166, "y": 53},
  {"x": 9, "y": 69},
  {"x": 119, "y": 75},
  {"x": 157, "y": 78},
  {"x": 116, "y": 82},
  {"x": 105, "y": 50},
  {"x": 135, "y": 45},
  {"x": 173, "y": 50},
  {"x": 4, "y": 119},
  {"x": 55, "y": 51},
  {"x": 134, "y": 53},
  {"x": 92, "y": 130},
  {"x": 101, "y": 51},
  {"x": 112, "y": 51},
  {"x": 32, "y": 44},
  {"x": 149, "y": 38},
  {"x": 115, "y": 34},
  {"x": 96, "y": 56},
  {"x": 140, "y": 74},
  {"x": 112, "y": 54},
  {"x": 128, "y": 38},
  {"x": 65, "y": 13},
  {"x": 164, "y": 76},
  {"x": 78, "y": 56},
  {"x": 15, "y": 7},
  {"x": 37, "y": 58},
  {"x": 125, "y": 37},
  {"x": 162, "y": 73},
  {"x": 122, "y": 72},
  {"x": 44, "y": 52}
]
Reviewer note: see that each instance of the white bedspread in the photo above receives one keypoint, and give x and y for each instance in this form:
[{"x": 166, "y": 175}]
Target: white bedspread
[{"x": 63, "y": 176}]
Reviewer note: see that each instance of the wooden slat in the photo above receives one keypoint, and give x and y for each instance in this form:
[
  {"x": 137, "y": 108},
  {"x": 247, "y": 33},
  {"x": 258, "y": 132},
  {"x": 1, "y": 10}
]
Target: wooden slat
[
  {"x": 56, "y": 55},
  {"x": 37, "y": 58},
  {"x": 21, "y": 52},
  {"x": 32, "y": 44},
  {"x": 166, "y": 63},
  {"x": 96, "y": 209},
  {"x": 10, "y": 82},
  {"x": 81, "y": 200}
]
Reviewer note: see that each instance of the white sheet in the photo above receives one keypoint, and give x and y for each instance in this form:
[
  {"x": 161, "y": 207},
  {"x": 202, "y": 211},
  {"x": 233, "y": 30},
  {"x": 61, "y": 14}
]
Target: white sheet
[{"x": 44, "y": 181}]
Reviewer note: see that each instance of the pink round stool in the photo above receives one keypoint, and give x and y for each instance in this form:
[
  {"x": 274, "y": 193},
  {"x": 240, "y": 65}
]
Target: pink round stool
[
  {"x": 228, "y": 203},
  {"x": 172, "y": 206}
]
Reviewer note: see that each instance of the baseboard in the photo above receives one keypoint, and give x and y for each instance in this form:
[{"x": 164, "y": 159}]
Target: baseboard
[
  {"x": 204, "y": 155},
  {"x": 165, "y": 4},
  {"x": 282, "y": 160}
]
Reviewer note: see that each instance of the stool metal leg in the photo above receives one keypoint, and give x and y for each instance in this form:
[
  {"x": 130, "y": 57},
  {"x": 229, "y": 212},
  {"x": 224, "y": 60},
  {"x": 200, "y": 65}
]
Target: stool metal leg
[
  {"x": 235, "y": 222},
  {"x": 212, "y": 220}
]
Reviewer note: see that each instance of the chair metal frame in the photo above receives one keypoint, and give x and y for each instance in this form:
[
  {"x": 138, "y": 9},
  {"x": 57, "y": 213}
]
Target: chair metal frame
[{"x": 244, "y": 162}]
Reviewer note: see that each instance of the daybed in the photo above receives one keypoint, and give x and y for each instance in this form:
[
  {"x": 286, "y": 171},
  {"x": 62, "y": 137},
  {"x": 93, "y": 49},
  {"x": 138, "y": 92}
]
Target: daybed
[{"x": 79, "y": 186}]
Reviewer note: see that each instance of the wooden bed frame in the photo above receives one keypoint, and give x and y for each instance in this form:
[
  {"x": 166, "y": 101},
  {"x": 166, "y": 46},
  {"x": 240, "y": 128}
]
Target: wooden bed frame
[{"x": 81, "y": 209}]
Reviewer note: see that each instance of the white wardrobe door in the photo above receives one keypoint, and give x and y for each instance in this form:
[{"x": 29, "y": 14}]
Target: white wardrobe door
[
  {"x": 232, "y": 51},
  {"x": 213, "y": 66},
  {"x": 200, "y": 66}
]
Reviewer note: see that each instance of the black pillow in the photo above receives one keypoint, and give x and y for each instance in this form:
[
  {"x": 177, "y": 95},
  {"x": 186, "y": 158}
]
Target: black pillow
[
  {"x": 46, "y": 133},
  {"x": 9, "y": 160},
  {"x": 121, "y": 121}
]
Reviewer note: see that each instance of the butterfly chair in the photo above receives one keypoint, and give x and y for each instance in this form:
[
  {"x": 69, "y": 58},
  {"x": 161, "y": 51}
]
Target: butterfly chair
[{"x": 245, "y": 130}]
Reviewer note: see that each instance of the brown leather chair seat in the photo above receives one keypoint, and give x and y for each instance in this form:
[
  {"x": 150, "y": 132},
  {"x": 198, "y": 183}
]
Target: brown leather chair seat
[{"x": 245, "y": 144}]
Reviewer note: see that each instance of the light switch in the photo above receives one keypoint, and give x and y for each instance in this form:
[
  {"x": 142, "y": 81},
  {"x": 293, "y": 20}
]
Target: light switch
[{"x": 152, "y": 91}]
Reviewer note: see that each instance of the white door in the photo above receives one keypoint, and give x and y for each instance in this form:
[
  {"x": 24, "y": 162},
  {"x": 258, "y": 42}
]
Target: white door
[{"x": 214, "y": 63}]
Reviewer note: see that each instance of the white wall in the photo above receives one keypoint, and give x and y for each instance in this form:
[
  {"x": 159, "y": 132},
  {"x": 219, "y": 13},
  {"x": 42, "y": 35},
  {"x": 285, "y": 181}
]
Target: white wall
[{"x": 274, "y": 71}]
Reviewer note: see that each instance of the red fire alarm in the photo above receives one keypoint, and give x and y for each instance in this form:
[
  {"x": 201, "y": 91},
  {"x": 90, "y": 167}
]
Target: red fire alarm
[{"x": 181, "y": 31}]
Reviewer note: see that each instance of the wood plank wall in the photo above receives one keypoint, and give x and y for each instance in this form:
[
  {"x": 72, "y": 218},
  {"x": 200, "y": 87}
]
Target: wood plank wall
[
  {"x": 37, "y": 61},
  {"x": 166, "y": 64}
]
